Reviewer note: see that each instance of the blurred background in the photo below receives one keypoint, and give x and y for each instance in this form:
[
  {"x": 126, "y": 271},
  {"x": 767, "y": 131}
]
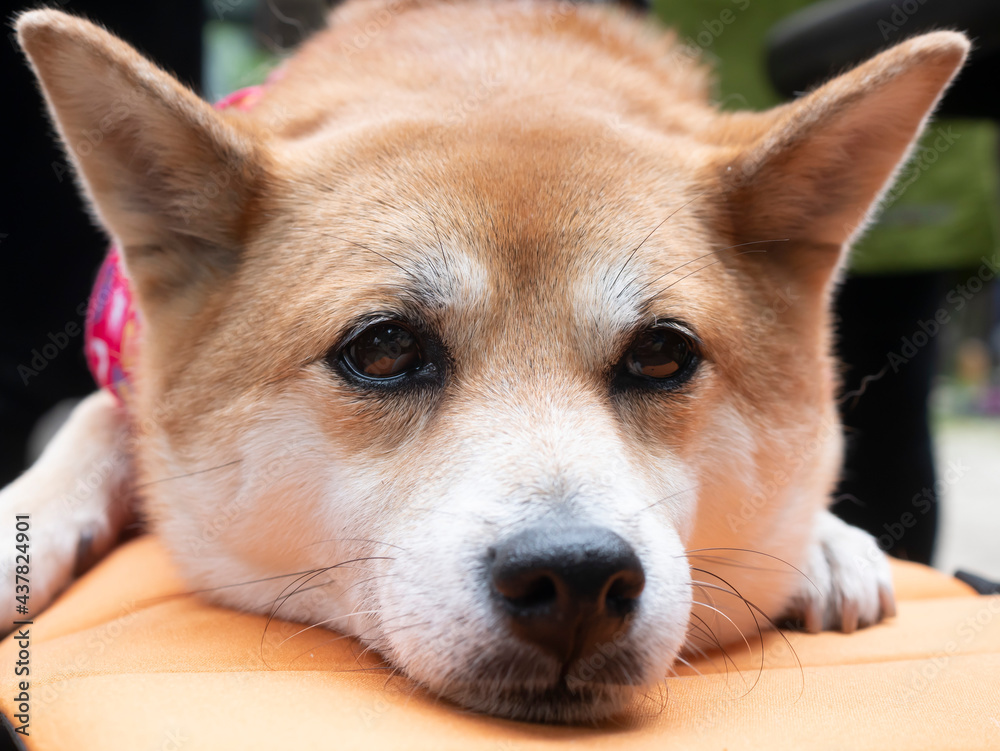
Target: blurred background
[{"x": 918, "y": 316}]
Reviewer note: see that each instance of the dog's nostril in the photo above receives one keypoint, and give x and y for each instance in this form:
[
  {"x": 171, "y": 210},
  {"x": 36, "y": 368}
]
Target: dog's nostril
[
  {"x": 526, "y": 592},
  {"x": 623, "y": 594},
  {"x": 566, "y": 589}
]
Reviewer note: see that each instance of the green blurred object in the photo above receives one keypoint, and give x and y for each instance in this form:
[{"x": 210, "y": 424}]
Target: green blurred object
[
  {"x": 233, "y": 59},
  {"x": 942, "y": 211}
]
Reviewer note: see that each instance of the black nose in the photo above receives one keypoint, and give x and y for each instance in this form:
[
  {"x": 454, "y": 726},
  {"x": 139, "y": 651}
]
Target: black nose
[{"x": 567, "y": 589}]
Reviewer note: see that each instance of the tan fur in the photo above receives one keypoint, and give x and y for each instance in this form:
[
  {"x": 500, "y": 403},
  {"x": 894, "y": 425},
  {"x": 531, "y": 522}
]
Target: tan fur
[{"x": 537, "y": 183}]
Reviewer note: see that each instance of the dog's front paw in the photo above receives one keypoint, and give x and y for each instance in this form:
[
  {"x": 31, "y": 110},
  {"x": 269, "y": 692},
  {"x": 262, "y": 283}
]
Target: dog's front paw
[
  {"x": 38, "y": 552},
  {"x": 850, "y": 583},
  {"x": 65, "y": 511}
]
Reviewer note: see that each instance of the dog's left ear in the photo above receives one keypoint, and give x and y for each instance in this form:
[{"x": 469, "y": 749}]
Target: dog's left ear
[
  {"x": 812, "y": 171},
  {"x": 167, "y": 175}
]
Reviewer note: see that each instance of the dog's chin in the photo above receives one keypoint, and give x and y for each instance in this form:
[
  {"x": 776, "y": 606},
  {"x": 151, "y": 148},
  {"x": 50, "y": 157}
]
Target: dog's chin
[
  {"x": 505, "y": 678},
  {"x": 583, "y": 695},
  {"x": 565, "y": 702}
]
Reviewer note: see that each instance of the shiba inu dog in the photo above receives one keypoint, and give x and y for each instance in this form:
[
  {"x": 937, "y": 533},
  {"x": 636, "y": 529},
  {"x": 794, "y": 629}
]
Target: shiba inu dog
[{"x": 481, "y": 336}]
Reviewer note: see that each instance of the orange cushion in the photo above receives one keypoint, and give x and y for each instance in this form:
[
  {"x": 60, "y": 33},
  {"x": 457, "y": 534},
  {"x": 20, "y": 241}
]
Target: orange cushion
[{"x": 117, "y": 666}]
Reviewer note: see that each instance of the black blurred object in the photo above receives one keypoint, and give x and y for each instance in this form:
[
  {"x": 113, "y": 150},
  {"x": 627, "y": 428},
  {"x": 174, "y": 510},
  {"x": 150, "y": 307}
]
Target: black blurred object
[
  {"x": 826, "y": 38},
  {"x": 50, "y": 247},
  {"x": 888, "y": 486},
  {"x": 281, "y": 25},
  {"x": 978, "y": 583},
  {"x": 9, "y": 739}
]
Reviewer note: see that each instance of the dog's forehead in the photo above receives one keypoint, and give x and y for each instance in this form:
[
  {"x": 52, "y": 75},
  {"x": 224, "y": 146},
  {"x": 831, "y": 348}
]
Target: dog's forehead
[{"x": 539, "y": 225}]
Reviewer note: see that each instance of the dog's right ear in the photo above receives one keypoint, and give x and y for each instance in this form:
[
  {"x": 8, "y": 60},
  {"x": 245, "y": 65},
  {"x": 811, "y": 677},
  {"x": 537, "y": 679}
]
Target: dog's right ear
[
  {"x": 167, "y": 175},
  {"x": 810, "y": 171}
]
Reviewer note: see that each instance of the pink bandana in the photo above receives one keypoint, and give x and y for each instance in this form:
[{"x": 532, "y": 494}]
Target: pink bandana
[
  {"x": 112, "y": 329},
  {"x": 111, "y": 333}
]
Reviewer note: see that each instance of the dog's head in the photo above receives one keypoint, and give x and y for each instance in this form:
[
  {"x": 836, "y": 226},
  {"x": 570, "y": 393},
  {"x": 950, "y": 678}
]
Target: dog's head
[{"x": 481, "y": 327}]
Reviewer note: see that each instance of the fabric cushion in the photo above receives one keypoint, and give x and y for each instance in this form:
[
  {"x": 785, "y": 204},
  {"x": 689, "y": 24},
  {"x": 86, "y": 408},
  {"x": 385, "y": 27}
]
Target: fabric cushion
[{"x": 121, "y": 662}]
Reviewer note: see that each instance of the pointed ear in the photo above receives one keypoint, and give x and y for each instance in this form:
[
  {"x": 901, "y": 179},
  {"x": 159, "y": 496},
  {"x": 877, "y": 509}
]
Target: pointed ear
[
  {"x": 812, "y": 171},
  {"x": 167, "y": 175}
]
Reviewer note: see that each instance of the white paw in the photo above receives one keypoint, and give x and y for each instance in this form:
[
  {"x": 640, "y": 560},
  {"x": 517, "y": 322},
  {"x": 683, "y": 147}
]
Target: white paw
[
  {"x": 850, "y": 583},
  {"x": 73, "y": 505},
  {"x": 37, "y": 563}
]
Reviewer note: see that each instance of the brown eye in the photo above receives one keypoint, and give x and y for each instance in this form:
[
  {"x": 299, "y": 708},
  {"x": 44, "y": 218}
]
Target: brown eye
[
  {"x": 659, "y": 354},
  {"x": 384, "y": 350}
]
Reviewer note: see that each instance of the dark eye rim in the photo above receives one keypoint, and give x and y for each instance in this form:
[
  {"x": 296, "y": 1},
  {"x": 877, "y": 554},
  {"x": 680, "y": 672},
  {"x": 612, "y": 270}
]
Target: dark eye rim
[
  {"x": 624, "y": 379},
  {"x": 426, "y": 373}
]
